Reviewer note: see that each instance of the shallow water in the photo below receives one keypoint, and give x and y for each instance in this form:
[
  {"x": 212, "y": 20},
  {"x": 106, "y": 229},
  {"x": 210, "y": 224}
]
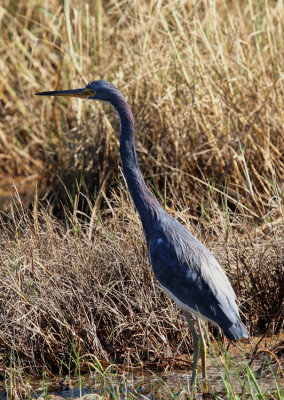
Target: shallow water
[
  {"x": 142, "y": 384},
  {"x": 175, "y": 380}
]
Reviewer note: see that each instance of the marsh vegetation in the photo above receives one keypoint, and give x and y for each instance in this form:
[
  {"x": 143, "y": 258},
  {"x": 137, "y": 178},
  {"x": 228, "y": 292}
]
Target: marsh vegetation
[{"x": 205, "y": 83}]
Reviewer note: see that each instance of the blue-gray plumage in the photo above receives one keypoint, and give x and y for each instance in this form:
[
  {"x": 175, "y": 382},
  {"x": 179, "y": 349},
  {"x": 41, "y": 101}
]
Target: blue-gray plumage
[
  {"x": 184, "y": 267},
  {"x": 190, "y": 273}
]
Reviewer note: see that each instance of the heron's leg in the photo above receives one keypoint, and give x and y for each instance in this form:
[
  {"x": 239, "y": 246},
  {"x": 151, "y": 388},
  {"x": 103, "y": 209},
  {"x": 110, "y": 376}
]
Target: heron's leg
[
  {"x": 196, "y": 344},
  {"x": 203, "y": 351}
]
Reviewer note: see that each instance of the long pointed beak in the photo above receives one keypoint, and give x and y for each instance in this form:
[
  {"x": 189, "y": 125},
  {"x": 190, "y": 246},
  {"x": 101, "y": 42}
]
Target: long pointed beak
[{"x": 81, "y": 93}]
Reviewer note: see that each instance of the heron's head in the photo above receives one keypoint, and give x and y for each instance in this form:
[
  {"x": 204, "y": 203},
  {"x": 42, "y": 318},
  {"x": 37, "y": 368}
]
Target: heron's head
[{"x": 96, "y": 90}]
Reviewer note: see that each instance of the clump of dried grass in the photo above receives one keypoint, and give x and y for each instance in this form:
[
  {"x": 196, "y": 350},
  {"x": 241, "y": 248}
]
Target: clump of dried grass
[
  {"x": 61, "y": 289},
  {"x": 88, "y": 287}
]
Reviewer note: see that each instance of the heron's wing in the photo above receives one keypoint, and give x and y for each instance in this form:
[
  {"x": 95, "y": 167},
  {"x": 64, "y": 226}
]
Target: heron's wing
[{"x": 191, "y": 274}]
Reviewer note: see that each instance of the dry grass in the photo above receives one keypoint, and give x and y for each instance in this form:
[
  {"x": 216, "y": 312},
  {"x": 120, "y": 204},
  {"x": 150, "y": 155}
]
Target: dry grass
[
  {"x": 205, "y": 82},
  {"x": 63, "y": 292}
]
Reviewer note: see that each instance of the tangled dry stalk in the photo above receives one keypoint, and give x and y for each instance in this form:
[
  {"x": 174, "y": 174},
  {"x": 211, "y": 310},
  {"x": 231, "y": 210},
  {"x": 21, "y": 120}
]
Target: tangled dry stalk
[
  {"x": 63, "y": 292},
  {"x": 205, "y": 82}
]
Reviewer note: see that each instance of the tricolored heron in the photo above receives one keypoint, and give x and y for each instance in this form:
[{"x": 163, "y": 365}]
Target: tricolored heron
[{"x": 184, "y": 267}]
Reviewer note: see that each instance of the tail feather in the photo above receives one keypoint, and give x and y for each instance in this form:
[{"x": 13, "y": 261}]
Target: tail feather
[{"x": 236, "y": 331}]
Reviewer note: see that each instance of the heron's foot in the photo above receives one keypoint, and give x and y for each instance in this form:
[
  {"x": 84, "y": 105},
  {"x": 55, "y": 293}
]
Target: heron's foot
[
  {"x": 193, "y": 389},
  {"x": 203, "y": 386},
  {"x": 193, "y": 380}
]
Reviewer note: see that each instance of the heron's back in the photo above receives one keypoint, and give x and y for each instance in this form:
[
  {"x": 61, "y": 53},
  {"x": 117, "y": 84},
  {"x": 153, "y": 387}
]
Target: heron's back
[{"x": 192, "y": 276}]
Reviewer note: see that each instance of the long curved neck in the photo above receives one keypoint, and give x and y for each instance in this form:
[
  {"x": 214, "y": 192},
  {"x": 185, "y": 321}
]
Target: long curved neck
[{"x": 145, "y": 203}]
